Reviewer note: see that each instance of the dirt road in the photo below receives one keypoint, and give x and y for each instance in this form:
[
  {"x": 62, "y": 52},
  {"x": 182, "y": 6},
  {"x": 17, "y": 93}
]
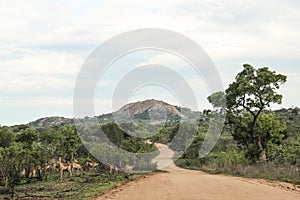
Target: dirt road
[{"x": 188, "y": 184}]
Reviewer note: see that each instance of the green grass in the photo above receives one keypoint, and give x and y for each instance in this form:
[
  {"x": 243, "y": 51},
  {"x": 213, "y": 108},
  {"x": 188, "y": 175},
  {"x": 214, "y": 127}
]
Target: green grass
[{"x": 71, "y": 188}]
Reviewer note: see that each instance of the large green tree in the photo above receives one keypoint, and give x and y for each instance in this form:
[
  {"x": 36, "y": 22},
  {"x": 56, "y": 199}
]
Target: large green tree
[{"x": 253, "y": 91}]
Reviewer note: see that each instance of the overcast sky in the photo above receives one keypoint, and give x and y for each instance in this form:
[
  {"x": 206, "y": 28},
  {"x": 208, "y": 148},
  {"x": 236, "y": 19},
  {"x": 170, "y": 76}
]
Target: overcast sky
[{"x": 43, "y": 45}]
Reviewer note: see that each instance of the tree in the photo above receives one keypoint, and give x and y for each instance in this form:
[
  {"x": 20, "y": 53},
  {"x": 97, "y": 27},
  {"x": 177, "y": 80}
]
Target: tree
[
  {"x": 28, "y": 139},
  {"x": 253, "y": 91},
  {"x": 11, "y": 164},
  {"x": 71, "y": 141},
  {"x": 6, "y": 137},
  {"x": 270, "y": 131}
]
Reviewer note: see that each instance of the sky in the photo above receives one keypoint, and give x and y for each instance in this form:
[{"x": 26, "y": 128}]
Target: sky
[{"x": 43, "y": 45}]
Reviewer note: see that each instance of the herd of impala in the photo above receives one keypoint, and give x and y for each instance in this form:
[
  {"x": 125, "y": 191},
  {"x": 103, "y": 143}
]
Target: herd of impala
[{"x": 71, "y": 167}]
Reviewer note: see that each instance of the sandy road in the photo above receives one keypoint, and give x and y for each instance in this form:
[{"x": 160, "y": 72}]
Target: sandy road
[{"x": 188, "y": 184}]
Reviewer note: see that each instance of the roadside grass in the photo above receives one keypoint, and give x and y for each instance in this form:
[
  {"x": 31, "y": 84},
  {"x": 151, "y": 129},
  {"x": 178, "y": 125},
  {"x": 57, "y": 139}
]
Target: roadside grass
[
  {"x": 69, "y": 188},
  {"x": 269, "y": 171},
  {"x": 264, "y": 172}
]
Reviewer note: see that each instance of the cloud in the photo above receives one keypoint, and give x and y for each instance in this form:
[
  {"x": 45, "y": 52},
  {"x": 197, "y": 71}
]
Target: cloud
[
  {"x": 44, "y": 43},
  {"x": 226, "y": 29},
  {"x": 38, "y": 71},
  {"x": 39, "y": 101}
]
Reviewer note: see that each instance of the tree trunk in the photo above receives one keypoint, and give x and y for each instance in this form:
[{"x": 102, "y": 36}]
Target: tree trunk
[{"x": 262, "y": 157}]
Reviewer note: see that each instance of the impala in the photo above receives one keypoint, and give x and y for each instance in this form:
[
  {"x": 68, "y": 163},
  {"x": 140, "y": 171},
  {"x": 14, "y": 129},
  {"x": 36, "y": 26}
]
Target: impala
[
  {"x": 91, "y": 165},
  {"x": 33, "y": 171},
  {"x": 76, "y": 165},
  {"x": 64, "y": 167},
  {"x": 128, "y": 168}
]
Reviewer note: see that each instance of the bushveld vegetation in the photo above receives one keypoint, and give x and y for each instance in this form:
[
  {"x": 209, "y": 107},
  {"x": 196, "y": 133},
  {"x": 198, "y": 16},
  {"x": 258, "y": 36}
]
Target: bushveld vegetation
[
  {"x": 255, "y": 142},
  {"x": 33, "y": 158}
]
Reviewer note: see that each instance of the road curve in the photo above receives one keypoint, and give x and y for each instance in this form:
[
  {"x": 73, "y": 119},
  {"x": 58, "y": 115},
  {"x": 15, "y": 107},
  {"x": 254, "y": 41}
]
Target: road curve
[{"x": 185, "y": 184}]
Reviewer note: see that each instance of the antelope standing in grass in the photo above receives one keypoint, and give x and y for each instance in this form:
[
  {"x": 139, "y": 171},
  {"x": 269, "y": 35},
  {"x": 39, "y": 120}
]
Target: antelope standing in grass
[
  {"x": 76, "y": 165},
  {"x": 128, "y": 168},
  {"x": 91, "y": 165},
  {"x": 50, "y": 166},
  {"x": 64, "y": 167},
  {"x": 113, "y": 168},
  {"x": 34, "y": 170}
]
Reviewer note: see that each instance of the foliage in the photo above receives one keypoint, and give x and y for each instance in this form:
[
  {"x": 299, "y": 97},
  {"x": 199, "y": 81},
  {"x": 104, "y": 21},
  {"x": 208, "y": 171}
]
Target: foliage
[
  {"x": 23, "y": 148},
  {"x": 251, "y": 93},
  {"x": 271, "y": 131},
  {"x": 6, "y": 137},
  {"x": 255, "y": 141},
  {"x": 11, "y": 164}
]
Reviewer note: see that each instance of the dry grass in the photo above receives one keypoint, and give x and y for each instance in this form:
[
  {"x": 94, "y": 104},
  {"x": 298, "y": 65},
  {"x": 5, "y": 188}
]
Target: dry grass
[{"x": 269, "y": 171}]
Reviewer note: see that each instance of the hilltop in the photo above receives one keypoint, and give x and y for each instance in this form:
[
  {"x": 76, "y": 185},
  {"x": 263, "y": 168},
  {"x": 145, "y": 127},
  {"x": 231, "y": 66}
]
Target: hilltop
[
  {"x": 51, "y": 121},
  {"x": 154, "y": 110},
  {"x": 151, "y": 109}
]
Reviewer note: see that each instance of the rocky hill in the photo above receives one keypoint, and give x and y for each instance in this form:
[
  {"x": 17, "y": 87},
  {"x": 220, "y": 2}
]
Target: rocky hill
[
  {"x": 148, "y": 110},
  {"x": 154, "y": 110},
  {"x": 51, "y": 121}
]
